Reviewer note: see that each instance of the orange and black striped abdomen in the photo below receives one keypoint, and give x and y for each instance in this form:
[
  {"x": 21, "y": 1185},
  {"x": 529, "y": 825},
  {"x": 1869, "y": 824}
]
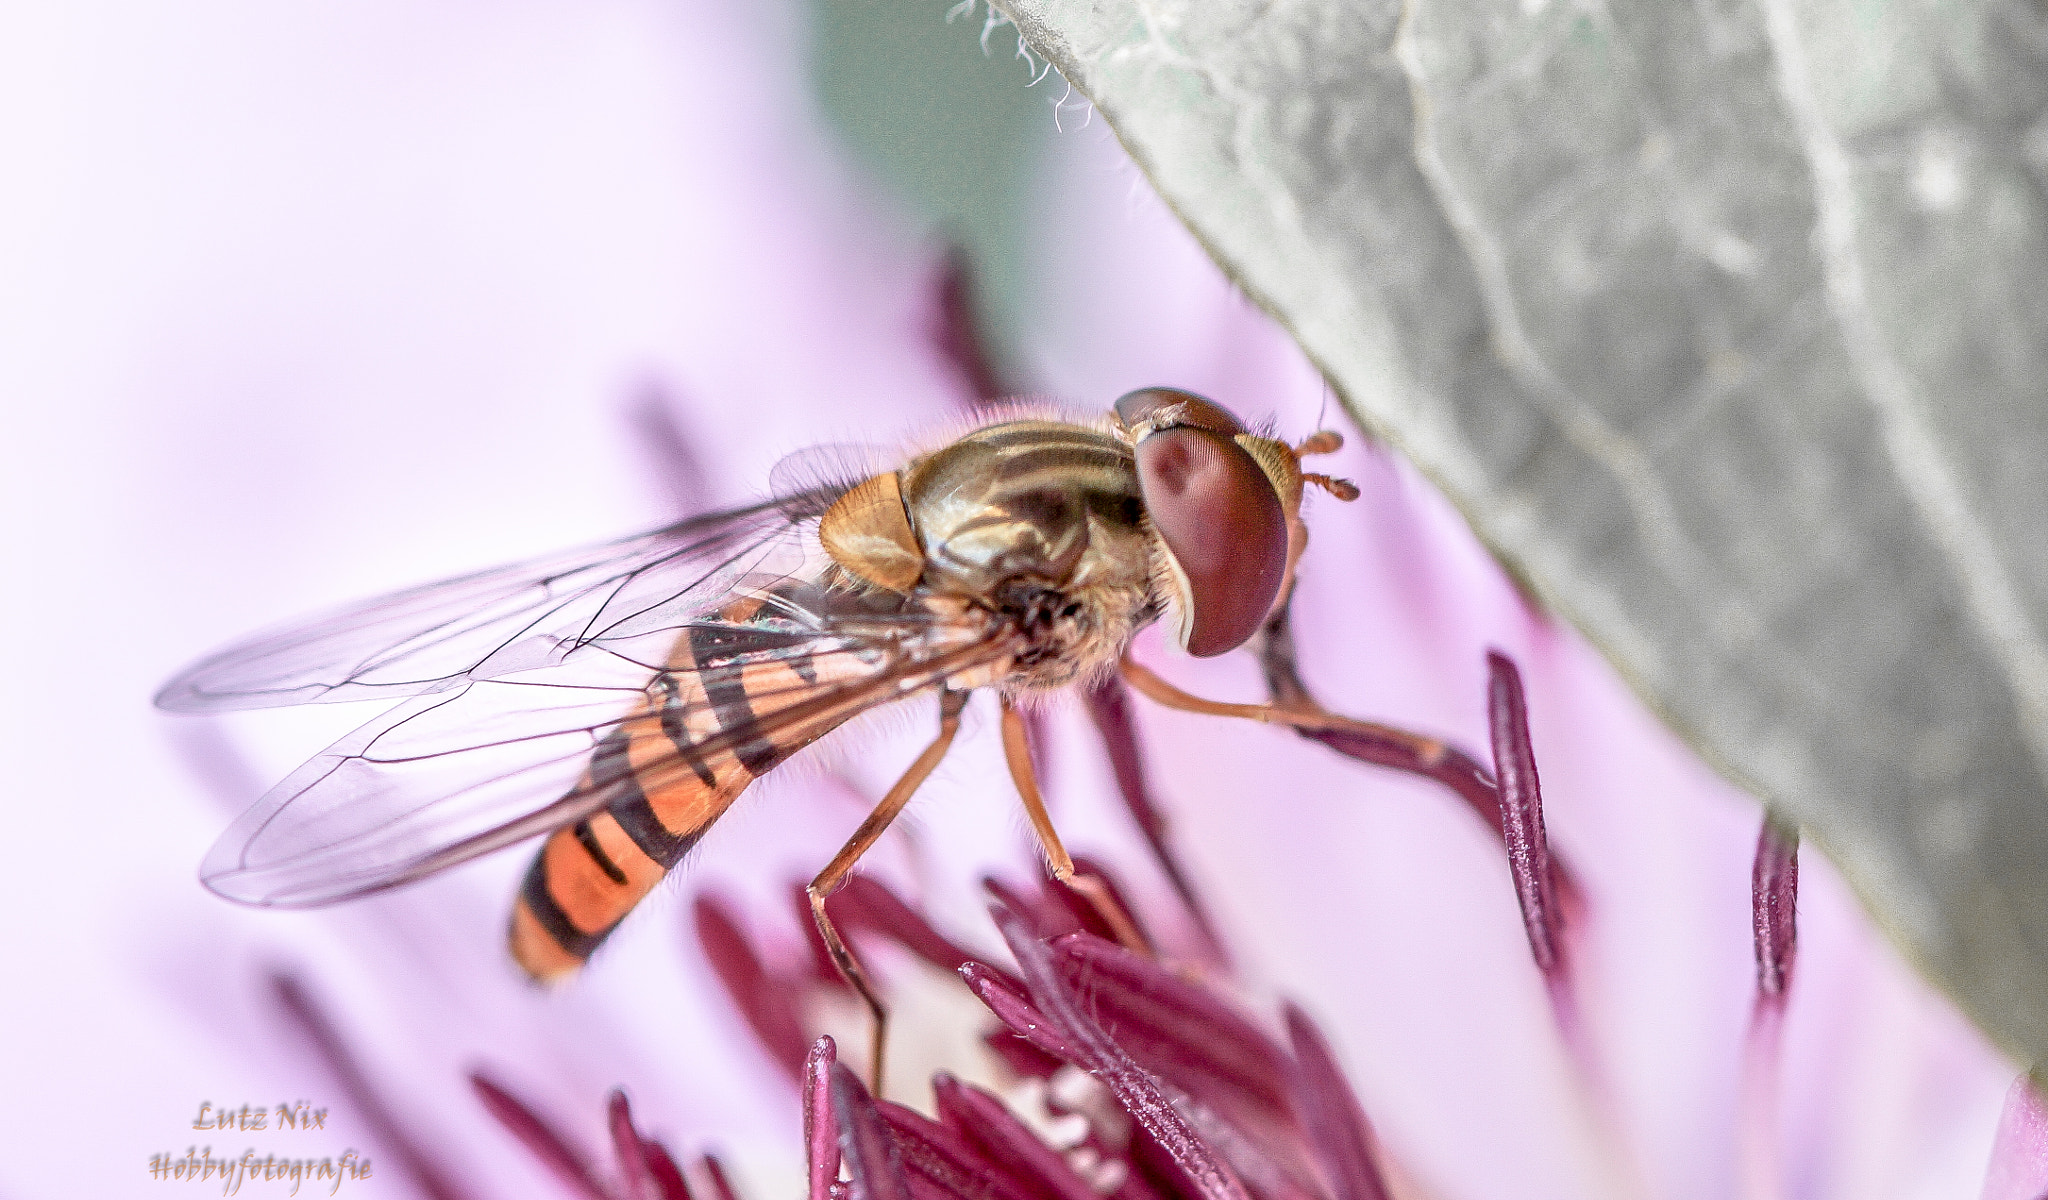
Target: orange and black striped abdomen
[{"x": 670, "y": 787}]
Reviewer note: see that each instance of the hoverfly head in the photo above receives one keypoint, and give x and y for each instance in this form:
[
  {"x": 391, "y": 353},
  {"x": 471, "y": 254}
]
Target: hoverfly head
[{"x": 1225, "y": 505}]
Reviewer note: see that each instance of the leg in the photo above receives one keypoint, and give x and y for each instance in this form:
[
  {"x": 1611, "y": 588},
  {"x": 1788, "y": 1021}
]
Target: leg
[
  {"x": 1018, "y": 752},
  {"x": 1307, "y": 716},
  {"x": 835, "y": 873}
]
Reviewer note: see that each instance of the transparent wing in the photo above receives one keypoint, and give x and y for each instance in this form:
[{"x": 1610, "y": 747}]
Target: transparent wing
[
  {"x": 506, "y": 620},
  {"x": 447, "y": 776}
]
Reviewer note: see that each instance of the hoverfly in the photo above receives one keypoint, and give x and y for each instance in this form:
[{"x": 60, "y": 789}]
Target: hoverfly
[{"x": 619, "y": 699}]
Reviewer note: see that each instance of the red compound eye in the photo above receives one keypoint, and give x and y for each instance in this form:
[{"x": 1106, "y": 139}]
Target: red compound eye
[
  {"x": 1137, "y": 407},
  {"x": 1222, "y": 525}
]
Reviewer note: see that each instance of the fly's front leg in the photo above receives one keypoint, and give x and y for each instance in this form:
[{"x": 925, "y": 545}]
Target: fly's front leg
[
  {"x": 1017, "y": 750},
  {"x": 1303, "y": 714},
  {"x": 835, "y": 873}
]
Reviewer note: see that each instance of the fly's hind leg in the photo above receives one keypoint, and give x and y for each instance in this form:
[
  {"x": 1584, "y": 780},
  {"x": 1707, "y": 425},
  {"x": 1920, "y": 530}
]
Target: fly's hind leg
[
  {"x": 835, "y": 873},
  {"x": 1018, "y": 753}
]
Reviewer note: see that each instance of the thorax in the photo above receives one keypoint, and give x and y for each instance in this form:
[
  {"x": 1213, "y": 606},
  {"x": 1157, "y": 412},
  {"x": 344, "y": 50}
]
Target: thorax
[{"x": 1039, "y": 524}]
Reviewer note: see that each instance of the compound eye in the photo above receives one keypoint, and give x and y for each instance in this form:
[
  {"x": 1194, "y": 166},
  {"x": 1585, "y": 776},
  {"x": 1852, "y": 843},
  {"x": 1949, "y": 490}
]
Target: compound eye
[
  {"x": 1224, "y": 532},
  {"x": 1137, "y": 408}
]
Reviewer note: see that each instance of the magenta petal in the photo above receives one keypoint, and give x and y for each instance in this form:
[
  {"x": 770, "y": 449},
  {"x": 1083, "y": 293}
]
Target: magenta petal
[
  {"x": 947, "y": 1162},
  {"x": 1331, "y": 1116},
  {"x": 1048, "y": 918},
  {"x": 2019, "y": 1154},
  {"x": 1025, "y": 1060},
  {"x": 1014, "y": 1010},
  {"x": 987, "y": 1124},
  {"x": 956, "y": 332},
  {"x": 866, "y": 904},
  {"x": 874, "y": 1164},
  {"x": 1109, "y": 704},
  {"x": 299, "y": 1007},
  {"x": 670, "y": 454},
  {"x": 668, "y": 1177},
  {"x": 721, "y": 1183},
  {"x": 1091, "y": 919},
  {"x": 1178, "y": 1030},
  {"x": 821, "y": 1123},
  {"x": 1774, "y": 901},
  {"x": 768, "y": 1008},
  {"x": 547, "y": 1145},
  {"x": 1138, "y": 1092},
  {"x": 635, "y": 1169},
  {"x": 1521, "y": 811}
]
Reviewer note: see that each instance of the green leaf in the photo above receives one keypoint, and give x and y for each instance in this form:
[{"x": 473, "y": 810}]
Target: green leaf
[{"x": 1726, "y": 325}]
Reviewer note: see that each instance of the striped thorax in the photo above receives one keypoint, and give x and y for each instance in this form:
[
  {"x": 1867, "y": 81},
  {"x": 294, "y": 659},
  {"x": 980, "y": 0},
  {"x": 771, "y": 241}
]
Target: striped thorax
[{"x": 1038, "y": 523}]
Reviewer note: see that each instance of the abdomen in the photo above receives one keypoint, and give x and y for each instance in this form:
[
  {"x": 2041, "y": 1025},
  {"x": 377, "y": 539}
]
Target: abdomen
[{"x": 589, "y": 875}]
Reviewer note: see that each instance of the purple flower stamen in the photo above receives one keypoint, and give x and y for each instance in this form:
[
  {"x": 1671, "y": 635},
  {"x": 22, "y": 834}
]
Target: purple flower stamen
[
  {"x": 634, "y": 1168},
  {"x": 355, "y": 1084},
  {"x": 1092, "y": 919},
  {"x": 1025, "y": 1059},
  {"x": 1534, "y": 871},
  {"x": 945, "y": 1163},
  {"x": 1016, "y": 1011},
  {"x": 1045, "y": 916},
  {"x": 1444, "y": 763}
]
